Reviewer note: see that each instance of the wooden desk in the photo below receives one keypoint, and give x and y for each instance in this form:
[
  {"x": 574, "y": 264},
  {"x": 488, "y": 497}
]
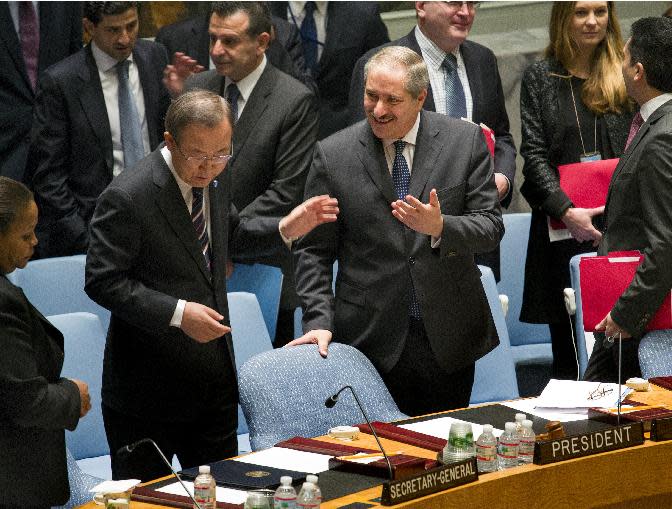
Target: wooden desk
[{"x": 639, "y": 477}]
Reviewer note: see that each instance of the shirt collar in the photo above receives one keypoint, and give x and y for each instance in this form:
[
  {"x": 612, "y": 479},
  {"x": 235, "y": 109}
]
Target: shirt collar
[
  {"x": 410, "y": 137},
  {"x": 247, "y": 84},
  {"x": 431, "y": 53},
  {"x": 652, "y": 105},
  {"x": 105, "y": 62}
]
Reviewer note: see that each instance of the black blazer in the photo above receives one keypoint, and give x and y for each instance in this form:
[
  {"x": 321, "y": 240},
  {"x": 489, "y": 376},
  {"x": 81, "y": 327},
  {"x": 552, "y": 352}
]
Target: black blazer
[
  {"x": 60, "y": 36},
  {"x": 143, "y": 256},
  {"x": 36, "y": 405},
  {"x": 353, "y": 28},
  {"x": 378, "y": 256},
  {"x": 638, "y": 215},
  {"x": 70, "y": 160}
]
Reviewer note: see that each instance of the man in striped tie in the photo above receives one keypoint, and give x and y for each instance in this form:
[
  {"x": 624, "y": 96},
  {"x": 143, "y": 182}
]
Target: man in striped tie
[{"x": 160, "y": 238}]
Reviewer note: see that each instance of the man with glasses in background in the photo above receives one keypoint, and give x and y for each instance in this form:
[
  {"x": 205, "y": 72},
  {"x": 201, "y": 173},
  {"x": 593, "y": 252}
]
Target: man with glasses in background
[{"x": 464, "y": 83}]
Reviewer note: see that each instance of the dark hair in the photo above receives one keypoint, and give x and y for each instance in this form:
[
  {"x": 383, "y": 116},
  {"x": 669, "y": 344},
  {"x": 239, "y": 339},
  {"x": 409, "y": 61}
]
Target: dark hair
[
  {"x": 14, "y": 199},
  {"x": 651, "y": 45},
  {"x": 668, "y": 13},
  {"x": 200, "y": 107},
  {"x": 259, "y": 14},
  {"x": 94, "y": 11}
]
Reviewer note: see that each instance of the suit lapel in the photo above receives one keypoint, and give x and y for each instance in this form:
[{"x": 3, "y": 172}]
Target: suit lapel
[
  {"x": 424, "y": 159},
  {"x": 149, "y": 91},
  {"x": 218, "y": 231},
  {"x": 473, "y": 69},
  {"x": 11, "y": 39},
  {"x": 372, "y": 156},
  {"x": 254, "y": 108}
]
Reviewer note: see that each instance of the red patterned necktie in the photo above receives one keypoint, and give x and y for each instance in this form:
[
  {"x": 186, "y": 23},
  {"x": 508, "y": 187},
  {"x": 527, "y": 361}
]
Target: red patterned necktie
[
  {"x": 637, "y": 122},
  {"x": 30, "y": 39}
]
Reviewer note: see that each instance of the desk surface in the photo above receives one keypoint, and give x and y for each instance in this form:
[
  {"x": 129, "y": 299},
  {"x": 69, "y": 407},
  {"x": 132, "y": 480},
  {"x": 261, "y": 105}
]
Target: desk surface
[{"x": 635, "y": 477}]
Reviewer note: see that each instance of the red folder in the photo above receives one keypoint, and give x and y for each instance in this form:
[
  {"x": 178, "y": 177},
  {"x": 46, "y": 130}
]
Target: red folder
[
  {"x": 603, "y": 279},
  {"x": 489, "y": 139},
  {"x": 586, "y": 184}
]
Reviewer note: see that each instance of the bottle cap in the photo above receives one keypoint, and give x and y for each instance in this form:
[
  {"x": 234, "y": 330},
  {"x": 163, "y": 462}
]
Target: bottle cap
[
  {"x": 307, "y": 485},
  {"x": 204, "y": 469},
  {"x": 527, "y": 423},
  {"x": 487, "y": 428},
  {"x": 286, "y": 480},
  {"x": 520, "y": 417},
  {"x": 510, "y": 427},
  {"x": 312, "y": 478}
]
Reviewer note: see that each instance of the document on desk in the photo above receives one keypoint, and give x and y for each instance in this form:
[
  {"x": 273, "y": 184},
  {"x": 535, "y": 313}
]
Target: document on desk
[
  {"x": 228, "y": 495},
  {"x": 288, "y": 459},
  {"x": 529, "y": 407},
  {"x": 577, "y": 397},
  {"x": 440, "y": 427}
]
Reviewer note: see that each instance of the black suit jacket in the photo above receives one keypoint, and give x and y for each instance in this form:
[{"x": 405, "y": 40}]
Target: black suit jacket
[
  {"x": 285, "y": 52},
  {"x": 36, "y": 405},
  {"x": 353, "y": 28},
  {"x": 143, "y": 256},
  {"x": 70, "y": 159},
  {"x": 60, "y": 36},
  {"x": 273, "y": 143},
  {"x": 638, "y": 216},
  {"x": 378, "y": 257}
]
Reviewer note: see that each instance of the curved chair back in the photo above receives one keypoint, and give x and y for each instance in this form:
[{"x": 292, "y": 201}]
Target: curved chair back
[
  {"x": 495, "y": 376},
  {"x": 80, "y": 484},
  {"x": 283, "y": 392},
  {"x": 579, "y": 332},
  {"x": 265, "y": 282},
  {"x": 84, "y": 349},
  {"x": 655, "y": 353},
  {"x": 56, "y": 286}
]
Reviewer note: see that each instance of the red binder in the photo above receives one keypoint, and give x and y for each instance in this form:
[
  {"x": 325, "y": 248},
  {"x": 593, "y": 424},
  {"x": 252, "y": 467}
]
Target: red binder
[
  {"x": 586, "y": 184},
  {"x": 603, "y": 279},
  {"x": 489, "y": 139}
]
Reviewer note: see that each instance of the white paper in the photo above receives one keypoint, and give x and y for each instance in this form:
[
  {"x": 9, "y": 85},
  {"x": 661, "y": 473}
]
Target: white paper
[
  {"x": 557, "y": 235},
  {"x": 528, "y": 407},
  {"x": 288, "y": 459},
  {"x": 440, "y": 427},
  {"x": 115, "y": 486},
  {"x": 222, "y": 495},
  {"x": 570, "y": 394}
]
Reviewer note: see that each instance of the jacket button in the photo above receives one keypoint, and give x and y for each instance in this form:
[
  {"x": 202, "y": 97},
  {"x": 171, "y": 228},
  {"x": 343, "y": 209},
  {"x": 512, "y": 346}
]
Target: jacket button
[{"x": 411, "y": 260}]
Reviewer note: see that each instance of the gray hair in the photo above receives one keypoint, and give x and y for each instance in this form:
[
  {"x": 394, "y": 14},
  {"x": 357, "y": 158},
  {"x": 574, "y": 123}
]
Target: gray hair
[
  {"x": 200, "y": 107},
  {"x": 417, "y": 77}
]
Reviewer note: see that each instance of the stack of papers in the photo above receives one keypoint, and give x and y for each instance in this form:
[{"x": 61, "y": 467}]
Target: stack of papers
[{"x": 440, "y": 427}]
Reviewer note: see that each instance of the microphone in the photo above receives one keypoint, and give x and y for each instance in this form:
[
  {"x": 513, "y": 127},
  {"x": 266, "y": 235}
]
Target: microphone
[
  {"x": 127, "y": 449},
  {"x": 332, "y": 400}
]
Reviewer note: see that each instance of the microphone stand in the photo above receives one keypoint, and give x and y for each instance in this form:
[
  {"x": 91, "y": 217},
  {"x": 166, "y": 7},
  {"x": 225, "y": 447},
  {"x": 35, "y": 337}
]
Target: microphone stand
[
  {"x": 331, "y": 401},
  {"x": 620, "y": 378},
  {"x": 130, "y": 448}
]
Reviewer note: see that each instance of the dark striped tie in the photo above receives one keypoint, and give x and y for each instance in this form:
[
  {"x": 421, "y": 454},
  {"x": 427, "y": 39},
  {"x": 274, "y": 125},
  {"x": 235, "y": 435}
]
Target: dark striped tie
[{"x": 198, "y": 218}]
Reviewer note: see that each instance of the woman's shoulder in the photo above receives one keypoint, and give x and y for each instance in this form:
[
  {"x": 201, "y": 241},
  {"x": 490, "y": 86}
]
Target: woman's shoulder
[{"x": 540, "y": 69}]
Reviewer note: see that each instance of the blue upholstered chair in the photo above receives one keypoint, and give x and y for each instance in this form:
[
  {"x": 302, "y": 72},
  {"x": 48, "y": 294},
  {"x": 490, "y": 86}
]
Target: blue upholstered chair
[
  {"x": 84, "y": 348},
  {"x": 56, "y": 286},
  {"x": 80, "y": 484},
  {"x": 495, "y": 376},
  {"x": 250, "y": 337},
  {"x": 263, "y": 281},
  {"x": 655, "y": 353},
  {"x": 579, "y": 332},
  {"x": 283, "y": 392}
]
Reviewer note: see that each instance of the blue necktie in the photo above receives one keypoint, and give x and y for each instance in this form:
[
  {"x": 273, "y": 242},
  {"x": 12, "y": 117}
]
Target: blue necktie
[
  {"x": 198, "y": 218},
  {"x": 456, "y": 104},
  {"x": 232, "y": 95},
  {"x": 129, "y": 120},
  {"x": 309, "y": 37},
  {"x": 401, "y": 177}
]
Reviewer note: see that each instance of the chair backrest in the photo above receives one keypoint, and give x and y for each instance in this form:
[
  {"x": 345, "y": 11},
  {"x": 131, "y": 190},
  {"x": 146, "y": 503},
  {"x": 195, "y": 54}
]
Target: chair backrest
[
  {"x": 80, "y": 484},
  {"x": 655, "y": 353},
  {"x": 249, "y": 333},
  {"x": 56, "y": 286},
  {"x": 513, "y": 253},
  {"x": 283, "y": 392},
  {"x": 84, "y": 349},
  {"x": 579, "y": 332},
  {"x": 495, "y": 376},
  {"x": 263, "y": 281}
]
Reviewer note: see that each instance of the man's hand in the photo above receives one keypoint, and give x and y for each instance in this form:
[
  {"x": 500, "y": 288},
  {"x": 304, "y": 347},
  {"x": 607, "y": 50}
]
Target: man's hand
[
  {"x": 416, "y": 215},
  {"x": 311, "y": 213},
  {"x": 580, "y": 225},
  {"x": 177, "y": 72},
  {"x": 611, "y": 328},
  {"x": 502, "y": 184},
  {"x": 84, "y": 397},
  {"x": 319, "y": 337},
  {"x": 201, "y": 323}
]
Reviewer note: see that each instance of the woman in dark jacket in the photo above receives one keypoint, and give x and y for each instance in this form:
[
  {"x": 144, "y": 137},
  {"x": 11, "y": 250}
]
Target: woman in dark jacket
[
  {"x": 36, "y": 404},
  {"x": 573, "y": 107}
]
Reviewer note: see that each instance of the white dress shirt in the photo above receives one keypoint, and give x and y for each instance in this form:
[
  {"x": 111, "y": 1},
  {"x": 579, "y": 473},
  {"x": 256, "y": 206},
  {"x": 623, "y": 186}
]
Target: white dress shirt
[
  {"x": 246, "y": 85},
  {"x": 14, "y": 13},
  {"x": 295, "y": 14},
  {"x": 110, "y": 84},
  {"x": 647, "y": 109}
]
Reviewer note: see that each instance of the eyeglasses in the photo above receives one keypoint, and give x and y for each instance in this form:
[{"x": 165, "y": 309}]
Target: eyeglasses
[
  {"x": 456, "y": 6},
  {"x": 216, "y": 160}
]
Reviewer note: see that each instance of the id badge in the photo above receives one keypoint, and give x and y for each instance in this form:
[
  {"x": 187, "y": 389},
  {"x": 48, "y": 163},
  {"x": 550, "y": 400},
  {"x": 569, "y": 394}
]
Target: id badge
[{"x": 590, "y": 156}]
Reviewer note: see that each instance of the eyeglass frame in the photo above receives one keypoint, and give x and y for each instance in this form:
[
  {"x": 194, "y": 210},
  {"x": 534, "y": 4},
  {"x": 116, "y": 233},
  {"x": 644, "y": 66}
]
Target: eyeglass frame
[
  {"x": 222, "y": 160},
  {"x": 471, "y": 6}
]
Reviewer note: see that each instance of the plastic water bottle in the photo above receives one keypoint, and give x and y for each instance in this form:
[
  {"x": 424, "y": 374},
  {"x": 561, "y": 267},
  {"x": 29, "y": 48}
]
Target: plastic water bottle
[
  {"x": 256, "y": 500},
  {"x": 318, "y": 492},
  {"x": 307, "y": 498},
  {"x": 519, "y": 422},
  {"x": 526, "y": 446},
  {"x": 204, "y": 488},
  {"x": 507, "y": 449},
  {"x": 285, "y": 495},
  {"x": 486, "y": 450}
]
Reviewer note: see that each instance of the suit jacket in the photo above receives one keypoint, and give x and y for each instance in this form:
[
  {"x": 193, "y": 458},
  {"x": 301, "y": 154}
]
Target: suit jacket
[
  {"x": 60, "y": 36},
  {"x": 144, "y": 255},
  {"x": 638, "y": 216},
  {"x": 273, "y": 143},
  {"x": 379, "y": 258},
  {"x": 70, "y": 158},
  {"x": 36, "y": 405},
  {"x": 285, "y": 52},
  {"x": 353, "y": 28}
]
